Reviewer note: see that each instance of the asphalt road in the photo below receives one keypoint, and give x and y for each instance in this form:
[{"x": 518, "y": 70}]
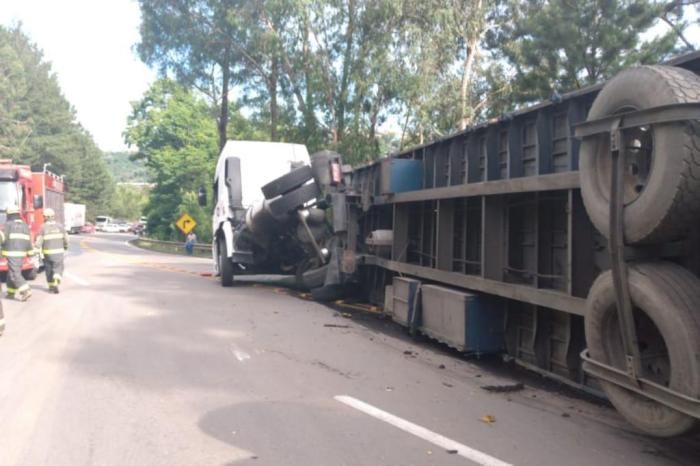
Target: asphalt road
[{"x": 142, "y": 361}]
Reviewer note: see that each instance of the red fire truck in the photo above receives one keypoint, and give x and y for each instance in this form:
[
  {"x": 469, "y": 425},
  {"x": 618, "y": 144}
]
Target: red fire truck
[{"x": 32, "y": 192}]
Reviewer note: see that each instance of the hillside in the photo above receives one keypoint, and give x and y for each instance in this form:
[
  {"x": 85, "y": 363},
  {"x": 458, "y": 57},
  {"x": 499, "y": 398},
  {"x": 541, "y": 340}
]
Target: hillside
[{"x": 124, "y": 170}]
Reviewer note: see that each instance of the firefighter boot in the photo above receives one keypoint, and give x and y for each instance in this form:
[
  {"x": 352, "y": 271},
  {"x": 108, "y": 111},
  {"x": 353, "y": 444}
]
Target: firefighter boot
[{"x": 23, "y": 295}]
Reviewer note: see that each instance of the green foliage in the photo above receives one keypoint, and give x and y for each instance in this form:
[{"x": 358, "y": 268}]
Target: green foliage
[
  {"x": 559, "y": 45},
  {"x": 333, "y": 73},
  {"x": 126, "y": 170},
  {"x": 177, "y": 139},
  {"x": 317, "y": 72},
  {"x": 38, "y": 125},
  {"x": 201, "y": 215},
  {"x": 129, "y": 201}
]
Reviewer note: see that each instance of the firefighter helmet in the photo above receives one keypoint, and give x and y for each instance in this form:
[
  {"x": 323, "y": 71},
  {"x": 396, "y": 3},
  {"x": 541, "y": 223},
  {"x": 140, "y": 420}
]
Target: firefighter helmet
[
  {"x": 13, "y": 209},
  {"x": 49, "y": 213}
]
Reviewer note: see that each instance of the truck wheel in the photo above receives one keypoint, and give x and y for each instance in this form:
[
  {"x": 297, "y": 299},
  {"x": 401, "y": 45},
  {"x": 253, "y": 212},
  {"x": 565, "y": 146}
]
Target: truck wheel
[
  {"x": 282, "y": 205},
  {"x": 310, "y": 275},
  {"x": 29, "y": 274},
  {"x": 665, "y": 298},
  {"x": 662, "y": 179},
  {"x": 287, "y": 182},
  {"x": 328, "y": 293},
  {"x": 225, "y": 264}
]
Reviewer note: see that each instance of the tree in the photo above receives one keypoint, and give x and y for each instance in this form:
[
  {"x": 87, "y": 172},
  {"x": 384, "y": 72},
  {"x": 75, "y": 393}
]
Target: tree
[
  {"x": 178, "y": 140},
  {"x": 557, "y": 45},
  {"x": 38, "y": 125},
  {"x": 195, "y": 41},
  {"x": 129, "y": 201},
  {"x": 318, "y": 71}
]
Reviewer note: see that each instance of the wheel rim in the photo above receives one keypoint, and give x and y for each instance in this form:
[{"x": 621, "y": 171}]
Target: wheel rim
[
  {"x": 655, "y": 360},
  {"x": 639, "y": 161}
]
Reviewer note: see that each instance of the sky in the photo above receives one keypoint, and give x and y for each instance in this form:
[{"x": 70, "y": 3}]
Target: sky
[{"x": 90, "y": 46}]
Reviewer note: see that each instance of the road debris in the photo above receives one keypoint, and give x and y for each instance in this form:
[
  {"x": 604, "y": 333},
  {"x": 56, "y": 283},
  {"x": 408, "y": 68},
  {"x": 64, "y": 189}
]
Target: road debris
[
  {"x": 389, "y": 389},
  {"x": 448, "y": 385},
  {"x": 488, "y": 418},
  {"x": 336, "y": 326},
  {"x": 451, "y": 452},
  {"x": 441, "y": 366},
  {"x": 347, "y": 315},
  {"x": 505, "y": 388}
]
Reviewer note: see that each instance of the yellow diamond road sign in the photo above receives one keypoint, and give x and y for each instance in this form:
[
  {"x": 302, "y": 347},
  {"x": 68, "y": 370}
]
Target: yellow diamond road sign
[{"x": 185, "y": 223}]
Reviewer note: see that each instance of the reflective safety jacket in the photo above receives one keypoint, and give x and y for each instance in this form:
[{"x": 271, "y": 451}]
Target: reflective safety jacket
[
  {"x": 52, "y": 239},
  {"x": 16, "y": 239}
]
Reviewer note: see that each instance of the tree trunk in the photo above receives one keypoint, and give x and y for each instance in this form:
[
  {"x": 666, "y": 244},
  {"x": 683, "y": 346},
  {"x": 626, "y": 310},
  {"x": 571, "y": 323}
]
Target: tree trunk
[
  {"x": 272, "y": 89},
  {"x": 374, "y": 117},
  {"x": 345, "y": 77},
  {"x": 467, "y": 71},
  {"x": 223, "y": 115}
]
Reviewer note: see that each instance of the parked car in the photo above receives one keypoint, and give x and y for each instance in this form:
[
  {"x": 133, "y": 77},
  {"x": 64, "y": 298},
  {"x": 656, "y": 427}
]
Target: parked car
[
  {"x": 123, "y": 227},
  {"x": 110, "y": 228},
  {"x": 87, "y": 228},
  {"x": 137, "y": 228}
]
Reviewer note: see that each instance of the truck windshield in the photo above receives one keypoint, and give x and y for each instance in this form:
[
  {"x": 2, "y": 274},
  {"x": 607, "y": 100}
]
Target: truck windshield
[{"x": 9, "y": 195}]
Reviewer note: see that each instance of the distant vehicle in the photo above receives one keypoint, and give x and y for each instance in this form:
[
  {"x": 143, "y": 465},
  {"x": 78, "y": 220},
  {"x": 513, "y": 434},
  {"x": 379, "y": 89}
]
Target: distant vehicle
[
  {"x": 32, "y": 192},
  {"x": 87, "y": 228},
  {"x": 110, "y": 228},
  {"x": 74, "y": 217},
  {"x": 123, "y": 227},
  {"x": 101, "y": 221}
]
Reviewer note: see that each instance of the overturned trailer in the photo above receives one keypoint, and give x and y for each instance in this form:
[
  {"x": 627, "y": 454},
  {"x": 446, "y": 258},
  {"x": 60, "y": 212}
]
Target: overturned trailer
[{"x": 566, "y": 234}]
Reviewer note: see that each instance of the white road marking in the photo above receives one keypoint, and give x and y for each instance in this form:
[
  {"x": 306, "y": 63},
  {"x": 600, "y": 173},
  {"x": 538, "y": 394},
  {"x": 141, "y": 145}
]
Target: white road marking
[
  {"x": 448, "y": 444},
  {"x": 77, "y": 279}
]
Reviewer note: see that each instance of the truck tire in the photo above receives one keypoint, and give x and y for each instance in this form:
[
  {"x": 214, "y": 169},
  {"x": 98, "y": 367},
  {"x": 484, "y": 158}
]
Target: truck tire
[
  {"x": 309, "y": 277},
  {"x": 328, "y": 293},
  {"x": 287, "y": 182},
  {"x": 665, "y": 297},
  {"x": 30, "y": 274},
  {"x": 282, "y": 205},
  {"x": 662, "y": 182},
  {"x": 225, "y": 264}
]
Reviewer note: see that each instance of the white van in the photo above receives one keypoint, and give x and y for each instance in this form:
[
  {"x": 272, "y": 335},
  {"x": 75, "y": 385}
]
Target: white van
[{"x": 101, "y": 221}]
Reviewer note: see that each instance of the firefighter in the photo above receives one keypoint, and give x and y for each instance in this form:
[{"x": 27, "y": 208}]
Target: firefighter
[
  {"x": 16, "y": 245},
  {"x": 51, "y": 243}
]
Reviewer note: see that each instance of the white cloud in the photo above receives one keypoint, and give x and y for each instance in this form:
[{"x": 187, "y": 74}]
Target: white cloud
[{"x": 89, "y": 43}]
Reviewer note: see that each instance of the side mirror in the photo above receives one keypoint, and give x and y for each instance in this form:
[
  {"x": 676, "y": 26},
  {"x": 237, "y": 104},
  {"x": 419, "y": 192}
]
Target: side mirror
[
  {"x": 202, "y": 196},
  {"x": 38, "y": 201}
]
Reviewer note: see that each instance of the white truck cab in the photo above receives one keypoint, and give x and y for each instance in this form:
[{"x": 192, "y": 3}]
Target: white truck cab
[{"x": 242, "y": 170}]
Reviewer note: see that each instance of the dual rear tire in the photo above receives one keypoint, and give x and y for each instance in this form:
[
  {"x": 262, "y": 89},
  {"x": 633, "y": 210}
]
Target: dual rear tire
[{"x": 662, "y": 201}]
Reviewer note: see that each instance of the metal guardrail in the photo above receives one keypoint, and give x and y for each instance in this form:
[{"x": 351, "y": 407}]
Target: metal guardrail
[{"x": 175, "y": 246}]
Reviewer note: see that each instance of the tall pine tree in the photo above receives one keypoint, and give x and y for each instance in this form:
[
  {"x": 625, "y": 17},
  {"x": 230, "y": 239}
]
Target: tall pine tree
[{"x": 561, "y": 45}]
